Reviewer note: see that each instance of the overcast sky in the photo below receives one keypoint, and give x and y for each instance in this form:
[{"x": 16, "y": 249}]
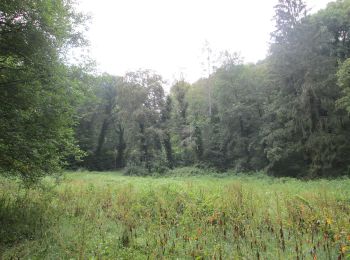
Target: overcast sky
[{"x": 168, "y": 35}]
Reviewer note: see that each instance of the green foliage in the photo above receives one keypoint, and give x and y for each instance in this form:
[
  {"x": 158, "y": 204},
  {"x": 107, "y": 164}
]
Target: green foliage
[
  {"x": 286, "y": 114},
  {"x": 98, "y": 123},
  {"x": 190, "y": 172},
  {"x": 197, "y": 135},
  {"x": 38, "y": 92},
  {"x": 126, "y": 122},
  {"x": 343, "y": 76},
  {"x": 306, "y": 135},
  {"x": 108, "y": 215},
  {"x": 134, "y": 170}
]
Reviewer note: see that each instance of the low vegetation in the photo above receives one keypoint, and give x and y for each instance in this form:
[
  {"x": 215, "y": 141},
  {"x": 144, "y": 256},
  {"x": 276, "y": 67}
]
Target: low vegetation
[{"x": 109, "y": 215}]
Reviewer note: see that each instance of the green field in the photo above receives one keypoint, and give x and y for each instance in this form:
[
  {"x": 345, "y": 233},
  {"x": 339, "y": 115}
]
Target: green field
[{"x": 111, "y": 216}]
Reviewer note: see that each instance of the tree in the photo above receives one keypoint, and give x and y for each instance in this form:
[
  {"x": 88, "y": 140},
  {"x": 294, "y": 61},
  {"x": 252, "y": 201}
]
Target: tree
[
  {"x": 166, "y": 131},
  {"x": 288, "y": 114},
  {"x": 239, "y": 94},
  {"x": 289, "y": 13},
  {"x": 99, "y": 132},
  {"x": 38, "y": 92},
  {"x": 343, "y": 76},
  {"x": 306, "y": 134},
  {"x": 141, "y": 104},
  {"x": 181, "y": 127}
]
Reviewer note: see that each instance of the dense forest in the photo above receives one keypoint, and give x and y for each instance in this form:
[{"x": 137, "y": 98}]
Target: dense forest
[{"x": 287, "y": 115}]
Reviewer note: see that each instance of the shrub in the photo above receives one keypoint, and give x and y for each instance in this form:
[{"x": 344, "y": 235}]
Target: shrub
[{"x": 134, "y": 170}]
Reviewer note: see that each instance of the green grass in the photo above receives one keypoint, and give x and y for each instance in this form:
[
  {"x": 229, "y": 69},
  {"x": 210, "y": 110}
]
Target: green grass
[{"x": 111, "y": 216}]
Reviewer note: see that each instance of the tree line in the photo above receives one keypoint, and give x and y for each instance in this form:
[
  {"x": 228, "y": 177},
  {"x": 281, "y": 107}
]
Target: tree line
[{"x": 287, "y": 114}]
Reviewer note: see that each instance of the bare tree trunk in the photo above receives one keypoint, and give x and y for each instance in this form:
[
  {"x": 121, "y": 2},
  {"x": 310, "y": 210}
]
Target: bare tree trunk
[{"x": 102, "y": 136}]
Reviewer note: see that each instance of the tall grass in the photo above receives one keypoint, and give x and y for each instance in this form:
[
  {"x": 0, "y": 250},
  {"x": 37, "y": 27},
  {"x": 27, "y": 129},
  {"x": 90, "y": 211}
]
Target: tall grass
[{"x": 110, "y": 216}]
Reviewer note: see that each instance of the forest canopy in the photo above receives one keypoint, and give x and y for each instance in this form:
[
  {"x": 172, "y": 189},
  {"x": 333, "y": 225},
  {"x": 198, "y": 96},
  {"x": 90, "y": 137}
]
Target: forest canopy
[{"x": 287, "y": 115}]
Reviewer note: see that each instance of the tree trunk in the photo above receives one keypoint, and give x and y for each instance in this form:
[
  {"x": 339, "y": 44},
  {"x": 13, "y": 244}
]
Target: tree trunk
[
  {"x": 121, "y": 146},
  {"x": 102, "y": 136}
]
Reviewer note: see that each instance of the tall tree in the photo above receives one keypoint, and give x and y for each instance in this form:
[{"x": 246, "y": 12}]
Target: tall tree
[
  {"x": 289, "y": 13},
  {"x": 38, "y": 92},
  {"x": 166, "y": 128},
  {"x": 143, "y": 101},
  {"x": 343, "y": 76},
  {"x": 306, "y": 131},
  {"x": 182, "y": 127}
]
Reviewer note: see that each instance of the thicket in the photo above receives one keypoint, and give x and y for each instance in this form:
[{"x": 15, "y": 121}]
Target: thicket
[{"x": 39, "y": 92}]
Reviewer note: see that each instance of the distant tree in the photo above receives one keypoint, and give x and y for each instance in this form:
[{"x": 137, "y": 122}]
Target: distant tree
[
  {"x": 198, "y": 140},
  {"x": 239, "y": 92},
  {"x": 306, "y": 135},
  {"x": 142, "y": 103},
  {"x": 343, "y": 76},
  {"x": 166, "y": 128},
  {"x": 121, "y": 146},
  {"x": 208, "y": 68},
  {"x": 288, "y": 14},
  {"x": 181, "y": 127},
  {"x": 98, "y": 132},
  {"x": 288, "y": 114}
]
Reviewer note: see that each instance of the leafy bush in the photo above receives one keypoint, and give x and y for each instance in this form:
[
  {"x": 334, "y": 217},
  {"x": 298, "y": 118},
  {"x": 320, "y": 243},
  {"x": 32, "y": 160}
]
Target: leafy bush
[
  {"x": 134, "y": 170},
  {"x": 187, "y": 171}
]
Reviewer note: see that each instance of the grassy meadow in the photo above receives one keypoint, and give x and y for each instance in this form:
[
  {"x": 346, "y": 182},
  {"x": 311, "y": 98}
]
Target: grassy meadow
[{"x": 111, "y": 216}]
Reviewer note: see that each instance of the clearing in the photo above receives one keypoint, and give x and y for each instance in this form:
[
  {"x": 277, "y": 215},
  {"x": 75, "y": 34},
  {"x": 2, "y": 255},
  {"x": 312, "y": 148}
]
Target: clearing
[{"x": 111, "y": 216}]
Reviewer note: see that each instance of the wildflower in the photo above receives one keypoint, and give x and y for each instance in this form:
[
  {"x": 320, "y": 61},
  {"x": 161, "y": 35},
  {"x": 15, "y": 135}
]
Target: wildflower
[
  {"x": 343, "y": 249},
  {"x": 337, "y": 237},
  {"x": 328, "y": 221}
]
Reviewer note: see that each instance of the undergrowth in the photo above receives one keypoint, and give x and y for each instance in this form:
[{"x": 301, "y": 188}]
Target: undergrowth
[{"x": 111, "y": 216}]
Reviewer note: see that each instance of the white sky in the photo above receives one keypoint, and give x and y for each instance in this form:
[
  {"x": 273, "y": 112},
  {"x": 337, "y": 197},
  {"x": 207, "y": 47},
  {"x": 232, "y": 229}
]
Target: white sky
[{"x": 168, "y": 35}]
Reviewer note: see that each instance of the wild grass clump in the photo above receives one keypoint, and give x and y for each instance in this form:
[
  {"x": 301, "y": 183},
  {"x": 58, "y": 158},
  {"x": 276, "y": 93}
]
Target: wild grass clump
[
  {"x": 189, "y": 172},
  {"x": 111, "y": 216},
  {"x": 134, "y": 170}
]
